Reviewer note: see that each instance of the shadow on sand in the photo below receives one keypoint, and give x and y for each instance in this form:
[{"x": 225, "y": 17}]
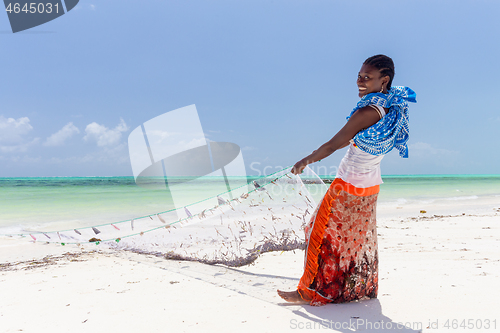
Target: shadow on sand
[{"x": 357, "y": 316}]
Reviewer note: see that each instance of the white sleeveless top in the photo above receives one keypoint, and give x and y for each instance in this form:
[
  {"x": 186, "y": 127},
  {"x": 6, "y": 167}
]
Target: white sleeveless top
[{"x": 360, "y": 168}]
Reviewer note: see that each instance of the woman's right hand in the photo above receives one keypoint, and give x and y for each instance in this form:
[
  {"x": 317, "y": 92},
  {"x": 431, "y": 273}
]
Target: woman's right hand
[{"x": 299, "y": 167}]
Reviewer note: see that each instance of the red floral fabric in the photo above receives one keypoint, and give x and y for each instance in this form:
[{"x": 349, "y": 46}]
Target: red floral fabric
[{"x": 344, "y": 267}]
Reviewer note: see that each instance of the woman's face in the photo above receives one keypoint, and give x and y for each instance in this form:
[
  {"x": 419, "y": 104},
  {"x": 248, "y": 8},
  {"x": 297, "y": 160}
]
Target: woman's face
[{"x": 370, "y": 80}]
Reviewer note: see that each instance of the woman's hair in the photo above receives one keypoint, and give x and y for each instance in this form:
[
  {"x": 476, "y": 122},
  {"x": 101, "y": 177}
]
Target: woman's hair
[{"x": 384, "y": 64}]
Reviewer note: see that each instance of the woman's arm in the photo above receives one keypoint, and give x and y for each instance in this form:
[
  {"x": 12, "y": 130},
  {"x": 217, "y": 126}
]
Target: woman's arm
[
  {"x": 361, "y": 119},
  {"x": 345, "y": 144}
]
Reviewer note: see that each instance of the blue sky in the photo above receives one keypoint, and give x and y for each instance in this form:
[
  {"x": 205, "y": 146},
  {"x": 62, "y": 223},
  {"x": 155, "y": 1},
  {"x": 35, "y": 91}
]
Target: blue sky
[{"x": 277, "y": 78}]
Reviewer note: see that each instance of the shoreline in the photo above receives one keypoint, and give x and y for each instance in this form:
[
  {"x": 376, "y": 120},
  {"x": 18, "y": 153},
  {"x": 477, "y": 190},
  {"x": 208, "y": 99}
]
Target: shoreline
[{"x": 60, "y": 253}]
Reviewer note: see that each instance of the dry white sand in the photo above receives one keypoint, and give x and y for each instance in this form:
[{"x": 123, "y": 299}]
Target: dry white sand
[{"x": 435, "y": 273}]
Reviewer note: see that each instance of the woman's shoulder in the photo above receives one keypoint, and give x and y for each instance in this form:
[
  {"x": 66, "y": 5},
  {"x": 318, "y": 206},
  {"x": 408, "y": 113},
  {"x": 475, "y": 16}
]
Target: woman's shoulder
[{"x": 381, "y": 111}]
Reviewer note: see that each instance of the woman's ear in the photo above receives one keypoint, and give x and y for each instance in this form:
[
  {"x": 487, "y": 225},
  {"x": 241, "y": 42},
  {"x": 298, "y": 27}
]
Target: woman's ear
[{"x": 386, "y": 79}]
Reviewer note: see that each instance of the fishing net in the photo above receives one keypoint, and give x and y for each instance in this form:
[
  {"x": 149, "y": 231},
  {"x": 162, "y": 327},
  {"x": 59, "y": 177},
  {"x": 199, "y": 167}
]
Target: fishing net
[{"x": 231, "y": 228}]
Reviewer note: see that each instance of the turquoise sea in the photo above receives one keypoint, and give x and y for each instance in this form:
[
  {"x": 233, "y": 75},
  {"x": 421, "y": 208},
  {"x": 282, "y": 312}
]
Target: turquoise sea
[{"x": 53, "y": 203}]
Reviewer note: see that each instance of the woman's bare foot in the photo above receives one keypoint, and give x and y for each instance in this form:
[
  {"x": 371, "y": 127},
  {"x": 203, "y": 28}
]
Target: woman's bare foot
[{"x": 291, "y": 296}]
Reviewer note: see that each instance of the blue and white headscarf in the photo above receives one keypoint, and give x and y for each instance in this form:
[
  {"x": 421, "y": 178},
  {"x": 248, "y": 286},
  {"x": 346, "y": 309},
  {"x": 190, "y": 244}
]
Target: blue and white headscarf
[{"x": 393, "y": 129}]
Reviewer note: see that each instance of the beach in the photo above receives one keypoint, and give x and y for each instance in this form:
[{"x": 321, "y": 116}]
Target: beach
[
  {"x": 147, "y": 150},
  {"x": 437, "y": 273}
]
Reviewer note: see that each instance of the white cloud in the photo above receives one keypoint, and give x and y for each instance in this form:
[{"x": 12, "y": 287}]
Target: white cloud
[
  {"x": 13, "y": 130},
  {"x": 21, "y": 159},
  {"x": 58, "y": 138},
  {"x": 20, "y": 147},
  {"x": 92, "y": 7},
  {"x": 103, "y": 136},
  {"x": 433, "y": 158},
  {"x": 426, "y": 149},
  {"x": 14, "y": 135},
  {"x": 108, "y": 156}
]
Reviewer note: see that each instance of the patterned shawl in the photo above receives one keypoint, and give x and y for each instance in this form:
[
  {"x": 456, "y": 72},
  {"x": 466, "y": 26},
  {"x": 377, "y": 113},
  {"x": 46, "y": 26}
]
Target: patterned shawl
[{"x": 393, "y": 129}]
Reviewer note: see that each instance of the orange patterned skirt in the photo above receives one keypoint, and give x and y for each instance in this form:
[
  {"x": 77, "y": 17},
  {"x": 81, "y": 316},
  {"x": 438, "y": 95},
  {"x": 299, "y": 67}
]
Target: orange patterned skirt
[{"x": 341, "y": 258}]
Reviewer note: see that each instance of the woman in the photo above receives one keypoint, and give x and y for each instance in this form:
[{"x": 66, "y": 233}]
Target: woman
[{"x": 341, "y": 258}]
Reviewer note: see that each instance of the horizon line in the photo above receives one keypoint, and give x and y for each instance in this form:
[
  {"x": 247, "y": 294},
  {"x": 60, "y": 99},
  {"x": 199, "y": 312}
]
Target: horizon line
[{"x": 323, "y": 176}]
